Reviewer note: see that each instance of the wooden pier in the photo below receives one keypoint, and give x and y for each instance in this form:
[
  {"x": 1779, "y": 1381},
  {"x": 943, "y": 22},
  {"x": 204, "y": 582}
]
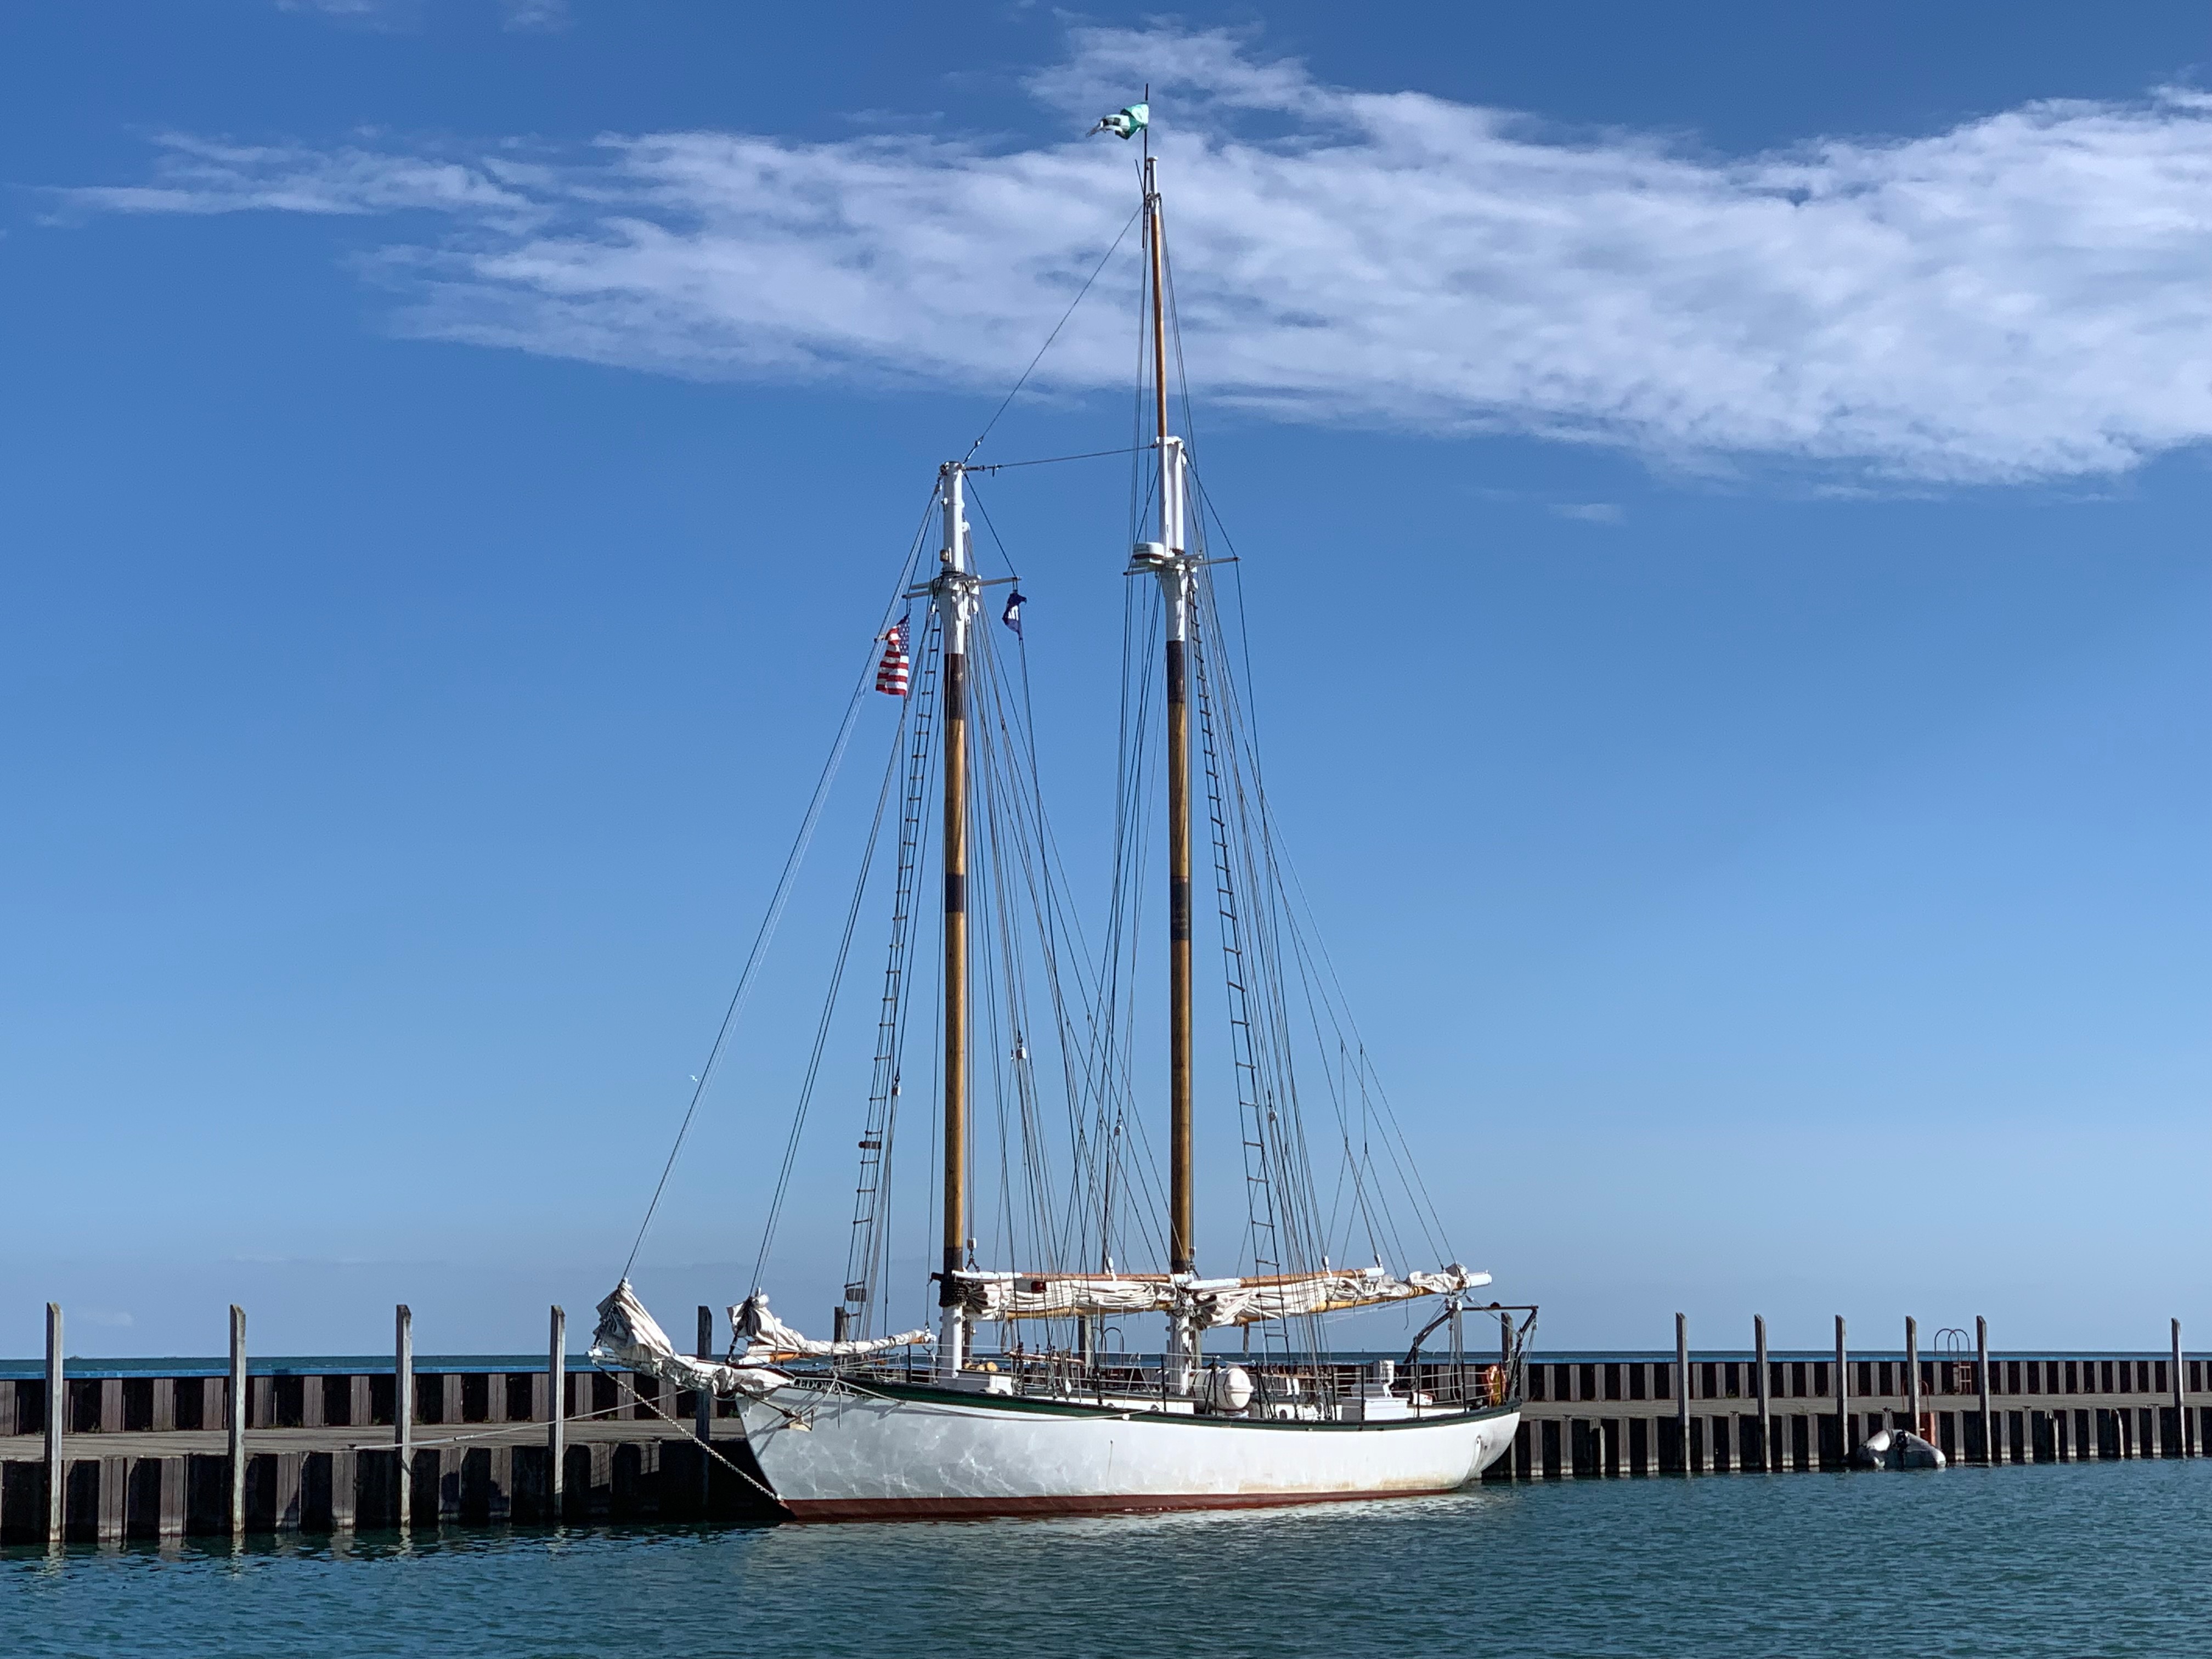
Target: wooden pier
[{"x": 170, "y": 1448}]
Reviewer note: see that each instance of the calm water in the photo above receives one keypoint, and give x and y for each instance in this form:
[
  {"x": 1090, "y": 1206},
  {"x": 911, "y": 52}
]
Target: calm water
[{"x": 2095, "y": 1559}]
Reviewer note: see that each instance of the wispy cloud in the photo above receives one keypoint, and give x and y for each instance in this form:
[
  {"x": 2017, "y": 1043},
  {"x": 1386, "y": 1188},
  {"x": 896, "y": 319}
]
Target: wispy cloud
[
  {"x": 2020, "y": 297},
  {"x": 1591, "y": 512},
  {"x": 525, "y": 15},
  {"x": 522, "y": 16},
  {"x": 197, "y": 176}
]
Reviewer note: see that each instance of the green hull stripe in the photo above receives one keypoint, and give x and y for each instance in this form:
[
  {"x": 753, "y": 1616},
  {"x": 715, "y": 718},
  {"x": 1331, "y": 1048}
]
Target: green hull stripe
[{"x": 924, "y": 1394}]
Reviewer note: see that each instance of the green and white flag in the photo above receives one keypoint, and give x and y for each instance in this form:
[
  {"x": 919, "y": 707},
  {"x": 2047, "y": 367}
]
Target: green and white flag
[{"x": 1126, "y": 123}]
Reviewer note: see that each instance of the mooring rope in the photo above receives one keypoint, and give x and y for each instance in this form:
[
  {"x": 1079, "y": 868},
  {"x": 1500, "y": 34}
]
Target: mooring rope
[
  {"x": 792, "y": 862},
  {"x": 708, "y": 1445}
]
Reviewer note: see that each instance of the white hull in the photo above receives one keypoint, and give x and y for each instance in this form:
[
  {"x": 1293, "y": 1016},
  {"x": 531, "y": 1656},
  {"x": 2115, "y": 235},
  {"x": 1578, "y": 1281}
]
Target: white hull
[{"x": 866, "y": 1453}]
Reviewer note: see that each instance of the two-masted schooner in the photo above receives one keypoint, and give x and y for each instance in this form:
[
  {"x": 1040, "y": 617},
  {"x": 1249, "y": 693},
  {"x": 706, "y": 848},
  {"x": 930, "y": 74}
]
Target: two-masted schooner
[{"x": 1058, "y": 1413}]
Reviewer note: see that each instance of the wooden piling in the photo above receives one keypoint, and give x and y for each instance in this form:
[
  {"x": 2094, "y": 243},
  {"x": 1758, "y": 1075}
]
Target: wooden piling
[
  {"x": 1913, "y": 1372},
  {"x": 56, "y": 1415},
  {"x": 2185, "y": 1446},
  {"x": 235, "y": 1420},
  {"x": 109, "y": 1493},
  {"x": 1982, "y": 1381},
  {"x": 1682, "y": 1393},
  {"x": 702, "y": 1410},
  {"x": 403, "y": 1409},
  {"x": 702, "y": 1414},
  {"x": 557, "y": 1410},
  {"x": 1766, "y": 1459},
  {"x": 1843, "y": 1394}
]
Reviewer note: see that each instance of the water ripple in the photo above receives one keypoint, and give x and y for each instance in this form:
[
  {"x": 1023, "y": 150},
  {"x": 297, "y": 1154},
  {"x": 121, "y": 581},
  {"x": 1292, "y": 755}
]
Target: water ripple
[{"x": 2063, "y": 1562}]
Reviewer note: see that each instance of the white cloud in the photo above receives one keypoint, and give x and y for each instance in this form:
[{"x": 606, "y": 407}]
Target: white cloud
[
  {"x": 2023, "y": 296},
  {"x": 1591, "y": 512}
]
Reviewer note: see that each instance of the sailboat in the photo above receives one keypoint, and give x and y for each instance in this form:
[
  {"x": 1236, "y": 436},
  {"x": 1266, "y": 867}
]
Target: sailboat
[{"x": 1024, "y": 1395}]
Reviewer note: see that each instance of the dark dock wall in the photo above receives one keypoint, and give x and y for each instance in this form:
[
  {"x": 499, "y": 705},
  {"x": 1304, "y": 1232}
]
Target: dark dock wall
[
  {"x": 136, "y": 1495},
  {"x": 146, "y": 1455},
  {"x": 1602, "y": 1416},
  {"x": 351, "y": 1399}
]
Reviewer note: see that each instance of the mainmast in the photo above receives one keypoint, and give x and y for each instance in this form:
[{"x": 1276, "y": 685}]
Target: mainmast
[
  {"x": 954, "y": 593},
  {"x": 1169, "y": 561},
  {"x": 1173, "y": 567}
]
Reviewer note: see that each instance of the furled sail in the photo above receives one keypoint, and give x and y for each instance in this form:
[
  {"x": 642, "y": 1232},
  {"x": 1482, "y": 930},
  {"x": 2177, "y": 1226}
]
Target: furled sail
[
  {"x": 1205, "y": 1302},
  {"x": 767, "y": 1338},
  {"x": 627, "y": 1337},
  {"x": 1247, "y": 1301}
]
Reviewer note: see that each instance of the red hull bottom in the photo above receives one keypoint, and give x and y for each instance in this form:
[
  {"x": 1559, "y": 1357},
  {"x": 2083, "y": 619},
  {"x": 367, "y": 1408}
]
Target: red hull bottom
[{"x": 980, "y": 1509}]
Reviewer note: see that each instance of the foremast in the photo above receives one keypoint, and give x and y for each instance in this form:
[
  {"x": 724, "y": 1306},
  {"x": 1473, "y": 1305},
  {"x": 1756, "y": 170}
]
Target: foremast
[{"x": 954, "y": 593}]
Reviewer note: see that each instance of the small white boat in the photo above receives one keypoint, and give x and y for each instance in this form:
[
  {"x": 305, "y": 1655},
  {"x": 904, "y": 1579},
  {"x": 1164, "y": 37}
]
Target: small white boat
[{"x": 1897, "y": 1448}]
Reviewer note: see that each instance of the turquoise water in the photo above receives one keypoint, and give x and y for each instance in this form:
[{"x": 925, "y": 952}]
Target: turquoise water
[{"x": 2071, "y": 1560}]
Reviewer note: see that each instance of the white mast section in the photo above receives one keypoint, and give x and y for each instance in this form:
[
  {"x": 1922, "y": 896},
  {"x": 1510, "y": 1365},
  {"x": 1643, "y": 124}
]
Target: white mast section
[
  {"x": 954, "y": 558},
  {"x": 1173, "y": 573}
]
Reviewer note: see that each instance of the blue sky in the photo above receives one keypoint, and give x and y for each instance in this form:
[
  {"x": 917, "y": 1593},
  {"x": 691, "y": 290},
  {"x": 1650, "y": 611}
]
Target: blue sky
[{"x": 1723, "y": 495}]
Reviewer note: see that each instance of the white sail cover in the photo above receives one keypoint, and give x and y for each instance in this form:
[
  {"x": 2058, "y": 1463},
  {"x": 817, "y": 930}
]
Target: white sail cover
[
  {"x": 628, "y": 1338},
  {"x": 768, "y": 1338},
  {"x": 1205, "y": 1302}
]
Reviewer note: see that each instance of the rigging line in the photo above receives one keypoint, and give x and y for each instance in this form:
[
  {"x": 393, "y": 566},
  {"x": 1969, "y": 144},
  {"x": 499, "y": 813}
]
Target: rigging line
[
  {"x": 1009, "y": 807},
  {"x": 1055, "y": 335},
  {"x": 1050, "y": 460},
  {"x": 737, "y": 997},
  {"x": 922, "y": 761},
  {"x": 1275, "y": 885},
  {"x": 997, "y": 540},
  {"x": 1313, "y": 952},
  {"x": 995, "y": 806},
  {"x": 872, "y": 1194},
  {"x": 1123, "y": 1154},
  {"x": 639, "y": 1398},
  {"x": 1137, "y": 407},
  {"x": 892, "y": 771},
  {"x": 1175, "y": 330},
  {"x": 1045, "y": 893},
  {"x": 1255, "y": 852},
  {"x": 1131, "y": 1145},
  {"x": 1333, "y": 994},
  {"x": 792, "y": 861}
]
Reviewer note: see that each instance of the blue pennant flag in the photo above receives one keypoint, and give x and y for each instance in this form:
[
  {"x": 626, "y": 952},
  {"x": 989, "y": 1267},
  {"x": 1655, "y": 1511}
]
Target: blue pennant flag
[{"x": 1012, "y": 614}]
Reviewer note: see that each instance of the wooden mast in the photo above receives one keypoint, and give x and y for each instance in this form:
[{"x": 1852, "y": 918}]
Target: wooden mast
[
  {"x": 954, "y": 593},
  {"x": 1175, "y": 583}
]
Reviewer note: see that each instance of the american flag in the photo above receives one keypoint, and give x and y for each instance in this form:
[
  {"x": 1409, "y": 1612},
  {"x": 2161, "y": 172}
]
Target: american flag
[{"x": 891, "y": 673}]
